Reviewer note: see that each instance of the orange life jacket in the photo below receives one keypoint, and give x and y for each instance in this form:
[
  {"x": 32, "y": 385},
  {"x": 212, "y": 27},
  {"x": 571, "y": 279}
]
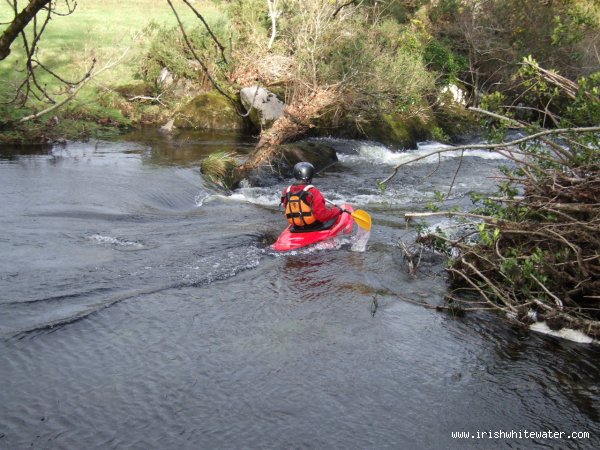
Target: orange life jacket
[{"x": 298, "y": 211}]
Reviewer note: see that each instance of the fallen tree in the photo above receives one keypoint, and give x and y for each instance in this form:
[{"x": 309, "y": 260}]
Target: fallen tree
[{"x": 296, "y": 120}]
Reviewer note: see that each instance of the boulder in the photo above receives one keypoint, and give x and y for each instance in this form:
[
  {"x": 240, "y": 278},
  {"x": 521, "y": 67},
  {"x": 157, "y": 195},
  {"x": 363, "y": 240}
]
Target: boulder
[
  {"x": 393, "y": 129},
  {"x": 264, "y": 107}
]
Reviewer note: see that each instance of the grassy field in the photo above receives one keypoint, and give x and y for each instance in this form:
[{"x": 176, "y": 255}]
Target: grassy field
[{"x": 98, "y": 29}]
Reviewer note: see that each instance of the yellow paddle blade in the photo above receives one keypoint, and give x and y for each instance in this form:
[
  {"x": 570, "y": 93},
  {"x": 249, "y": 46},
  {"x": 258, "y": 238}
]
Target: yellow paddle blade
[{"x": 362, "y": 219}]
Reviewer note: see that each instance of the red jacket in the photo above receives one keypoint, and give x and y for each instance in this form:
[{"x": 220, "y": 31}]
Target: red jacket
[{"x": 321, "y": 212}]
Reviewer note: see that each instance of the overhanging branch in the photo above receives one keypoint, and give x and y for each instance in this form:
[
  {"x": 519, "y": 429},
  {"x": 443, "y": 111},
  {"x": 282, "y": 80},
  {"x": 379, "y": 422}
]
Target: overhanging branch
[{"x": 18, "y": 24}]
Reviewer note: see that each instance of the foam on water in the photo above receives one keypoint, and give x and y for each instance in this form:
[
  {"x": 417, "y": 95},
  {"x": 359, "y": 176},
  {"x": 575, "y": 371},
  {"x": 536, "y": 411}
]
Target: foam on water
[
  {"x": 257, "y": 195},
  {"x": 111, "y": 240},
  {"x": 380, "y": 154},
  {"x": 564, "y": 333}
]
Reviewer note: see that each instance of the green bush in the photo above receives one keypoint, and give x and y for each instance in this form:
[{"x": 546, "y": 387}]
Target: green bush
[{"x": 440, "y": 57}]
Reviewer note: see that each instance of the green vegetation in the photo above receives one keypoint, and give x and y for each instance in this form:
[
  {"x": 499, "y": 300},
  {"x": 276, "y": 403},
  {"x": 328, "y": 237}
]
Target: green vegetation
[
  {"x": 385, "y": 61},
  {"x": 218, "y": 167}
]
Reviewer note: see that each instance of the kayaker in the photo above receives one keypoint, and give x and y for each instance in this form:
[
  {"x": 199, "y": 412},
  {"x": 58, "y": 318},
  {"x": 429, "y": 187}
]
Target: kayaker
[{"x": 305, "y": 207}]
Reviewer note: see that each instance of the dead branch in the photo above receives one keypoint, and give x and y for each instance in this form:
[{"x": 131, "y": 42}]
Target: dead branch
[
  {"x": 273, "y": 14},
  {"x": 541, "y": 252},
  {"x": 342, "y": 6},
  {"x": 296, "y": 120},
  {"x": 212, "y": 35},
  {"x": 419, "y": 215},
  {"x": 28, "y": 20},
  {"x": 412, "y": 257}
]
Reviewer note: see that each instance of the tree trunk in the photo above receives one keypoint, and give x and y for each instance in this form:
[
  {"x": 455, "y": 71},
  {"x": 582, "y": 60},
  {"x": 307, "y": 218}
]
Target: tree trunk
[{"x": 18, "y": 24}]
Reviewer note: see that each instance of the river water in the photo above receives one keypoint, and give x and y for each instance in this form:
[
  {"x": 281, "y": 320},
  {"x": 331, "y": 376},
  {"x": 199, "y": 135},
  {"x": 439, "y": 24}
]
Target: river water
[{"x": 142, "y": 308}]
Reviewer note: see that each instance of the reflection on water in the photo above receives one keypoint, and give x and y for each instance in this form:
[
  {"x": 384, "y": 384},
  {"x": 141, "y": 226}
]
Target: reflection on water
[
  {"x": 142, "y": 309},
  {"x": 185, "y": 147},
  {"x": 12, "y": 152}
]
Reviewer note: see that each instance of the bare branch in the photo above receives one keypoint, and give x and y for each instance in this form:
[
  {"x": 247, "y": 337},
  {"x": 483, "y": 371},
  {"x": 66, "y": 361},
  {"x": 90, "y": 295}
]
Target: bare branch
[
  {"x": 202, "y": 64},
  {"x": 273, "y": 14},
  {"x": 493, "y": 146},
  {"x": 417, "y": 215},
  {"x": 342, "y": 6},
  {"x": 88, "y": 77}
]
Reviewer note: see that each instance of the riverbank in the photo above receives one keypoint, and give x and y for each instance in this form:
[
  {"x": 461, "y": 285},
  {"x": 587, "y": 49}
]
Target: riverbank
[
  {"x": 96, "y": 34},
  {"x": 395, "y": 75},
  {"x": 157, "y": 77}
]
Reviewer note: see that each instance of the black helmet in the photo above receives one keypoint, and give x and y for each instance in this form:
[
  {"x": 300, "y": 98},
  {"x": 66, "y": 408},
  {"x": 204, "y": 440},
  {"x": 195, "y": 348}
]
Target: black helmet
[{"x": 304, "y": 171}]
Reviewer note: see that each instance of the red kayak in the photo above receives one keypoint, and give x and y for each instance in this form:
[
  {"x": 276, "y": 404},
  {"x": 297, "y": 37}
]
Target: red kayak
[{"x": 289, "y": 240}]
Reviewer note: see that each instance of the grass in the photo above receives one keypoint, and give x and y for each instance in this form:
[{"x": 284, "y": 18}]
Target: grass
[
  {"x": 218, "y": 167},
  {"x": 101, "y": 30}
]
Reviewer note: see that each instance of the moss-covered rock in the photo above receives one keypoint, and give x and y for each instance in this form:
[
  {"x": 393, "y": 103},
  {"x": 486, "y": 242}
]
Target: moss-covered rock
[
  {"x": 135, "y": 90},
  {"x": 390, "y": 129},
  {"x": 456, "y": 121},
  {"x": 393, "y": 129},
  {"x": 211, "y": 111}
]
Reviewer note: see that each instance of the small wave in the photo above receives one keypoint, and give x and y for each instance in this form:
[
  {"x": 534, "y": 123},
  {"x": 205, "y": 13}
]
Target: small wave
[
  {"x": 221, "y": 266},
  {"x": 59, "y": 298},
  {"x": 258, "y": 196},
  {"x": 201, "y": 198},
  {"x": 71, "y": 312}
]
